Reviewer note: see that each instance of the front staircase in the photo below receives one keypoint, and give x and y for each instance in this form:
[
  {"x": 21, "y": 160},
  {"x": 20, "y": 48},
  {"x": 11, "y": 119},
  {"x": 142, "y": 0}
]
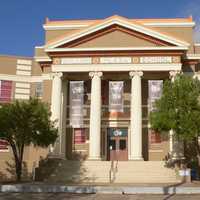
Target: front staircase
[{"x": 106, "y": 172}]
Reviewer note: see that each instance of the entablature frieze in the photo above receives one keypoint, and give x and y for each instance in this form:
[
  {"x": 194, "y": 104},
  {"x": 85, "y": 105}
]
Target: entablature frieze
[{"x": 117, "y": 60}]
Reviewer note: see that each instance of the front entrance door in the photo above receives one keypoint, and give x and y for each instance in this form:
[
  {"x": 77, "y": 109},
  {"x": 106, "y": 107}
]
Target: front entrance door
[{"x": 117, "y": 144}]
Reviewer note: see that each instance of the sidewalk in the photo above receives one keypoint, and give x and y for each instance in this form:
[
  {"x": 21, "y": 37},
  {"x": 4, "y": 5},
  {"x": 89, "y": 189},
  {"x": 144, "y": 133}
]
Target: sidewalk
[{"x": 192, "y": 188}]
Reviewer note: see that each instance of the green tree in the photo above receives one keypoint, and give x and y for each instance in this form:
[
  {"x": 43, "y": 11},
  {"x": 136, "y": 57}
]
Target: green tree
[
  {"x": 179, "y": 109},
  {"x": 23, "y": 123}
]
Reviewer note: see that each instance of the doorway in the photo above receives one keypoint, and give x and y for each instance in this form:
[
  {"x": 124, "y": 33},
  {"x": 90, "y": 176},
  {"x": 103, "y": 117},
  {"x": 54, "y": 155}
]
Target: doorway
[{"x": 117, "y": 147}]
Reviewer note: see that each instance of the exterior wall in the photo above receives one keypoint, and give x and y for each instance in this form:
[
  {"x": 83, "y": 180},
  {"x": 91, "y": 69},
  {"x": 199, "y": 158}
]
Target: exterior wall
[
  {"x": 52, "y": 34},
  {"x": 182, "y": 33},
  {"x": 9, "y": 69},
  {"x": 32, "y": 156},
  {"x": 116, "y": 39},
  {"x": 47, "y": 86},
  {"x": 8, "y": 64}
]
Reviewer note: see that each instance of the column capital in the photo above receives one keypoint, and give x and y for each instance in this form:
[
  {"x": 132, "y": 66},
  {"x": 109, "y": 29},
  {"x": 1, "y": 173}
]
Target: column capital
[
  {"x": 92, "y": 74},
  {"x": 135, "y": 73},
  {"x": 56, "y": 74},
  {"x": 172, "y": 74}
]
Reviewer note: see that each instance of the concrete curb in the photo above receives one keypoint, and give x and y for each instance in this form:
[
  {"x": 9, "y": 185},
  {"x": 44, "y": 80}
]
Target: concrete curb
[{"x": 27, "y": 188}]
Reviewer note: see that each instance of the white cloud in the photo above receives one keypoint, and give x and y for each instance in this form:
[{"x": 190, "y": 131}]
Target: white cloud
[{"x": 192, "y": 8}]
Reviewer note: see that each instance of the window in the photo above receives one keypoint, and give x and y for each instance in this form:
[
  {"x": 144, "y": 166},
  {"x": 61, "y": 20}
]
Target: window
[
  {"x": 112, "y": 144},
  {"x": 122, "y": 144},
  {"x": 79, "y": 136},
  {"x": 155, "y": 137},
  {"x": 5, "y": 91},
  {"x": 3, "y": 146},
  {"x": 38, "y": 90}
]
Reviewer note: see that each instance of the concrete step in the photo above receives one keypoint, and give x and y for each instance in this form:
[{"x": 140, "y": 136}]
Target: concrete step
[{"x": 100, "y": 171}]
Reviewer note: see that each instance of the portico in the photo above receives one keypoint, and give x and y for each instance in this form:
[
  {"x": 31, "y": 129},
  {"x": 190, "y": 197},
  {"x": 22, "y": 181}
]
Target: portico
[
  {"x": 115, "y": 58},
  {"x": 97, "y": 121}
]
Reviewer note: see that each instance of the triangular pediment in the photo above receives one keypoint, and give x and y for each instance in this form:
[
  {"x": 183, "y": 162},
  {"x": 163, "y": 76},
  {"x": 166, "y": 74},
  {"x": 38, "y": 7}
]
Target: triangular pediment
[
  {"x": 115, "y": 32},
  {"x": 115, "y": 38}
]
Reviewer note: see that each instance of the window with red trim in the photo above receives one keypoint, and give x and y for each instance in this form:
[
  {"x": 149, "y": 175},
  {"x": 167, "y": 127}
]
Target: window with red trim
[
  {"x": 5, "y": 91},
  {"x": 155, "y": 137},
  {"x": 79, "y": 136},
  {"x": 3, "y": 145}
]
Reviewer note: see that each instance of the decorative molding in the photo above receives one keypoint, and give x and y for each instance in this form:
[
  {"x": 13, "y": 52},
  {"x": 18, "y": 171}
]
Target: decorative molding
[
  {"x": 56, "y": 74},
  {"x": 85, "y": 60},
  {"x": 113, "y": 60},
  {"x": 92, "y": 74},
  {"x": 176, "y": 59},
  {"x": 25, "y": 79},
  {"x": 136, "y": 60},
  {"x": 115, "y": 49},
  {"x": 42, "y": 59},
  {"x": 62, "y": 27},
  {"x": 155, "y": 59},
  {"x": 24, "y": 67},
  {"x": 24, "y": 62},
  {"x": 170, "y": 24},
  {"x": 95, "y": 60},
  {"x": 135, "y": 73},
  {"x": 25, "y": 73},
  {"x": 117, "y": 60},
  {"x": 56, "y": 61},
  {"x": 117, "y": 67}
]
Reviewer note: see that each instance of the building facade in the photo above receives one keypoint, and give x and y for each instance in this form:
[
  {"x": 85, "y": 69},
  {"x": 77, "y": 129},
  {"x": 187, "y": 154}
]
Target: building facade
[{"x": 101, "y": 78}]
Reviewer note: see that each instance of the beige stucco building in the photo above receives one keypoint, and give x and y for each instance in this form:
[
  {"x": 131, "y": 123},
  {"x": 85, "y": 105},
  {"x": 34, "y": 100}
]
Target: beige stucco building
[{"x": 94, "y": 54}]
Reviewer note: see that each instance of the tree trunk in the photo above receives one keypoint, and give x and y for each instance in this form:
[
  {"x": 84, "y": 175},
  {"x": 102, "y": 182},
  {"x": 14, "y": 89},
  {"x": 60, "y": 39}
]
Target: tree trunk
[
  {"x": 18, "y": 170},
  {"x": 198, "y": 153},
  {"x": 18, "y": 161}
]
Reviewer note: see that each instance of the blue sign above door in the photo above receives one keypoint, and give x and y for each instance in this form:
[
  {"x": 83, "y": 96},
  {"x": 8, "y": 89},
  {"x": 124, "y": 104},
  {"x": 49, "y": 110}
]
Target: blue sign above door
[{"x": 118, "y": 132}]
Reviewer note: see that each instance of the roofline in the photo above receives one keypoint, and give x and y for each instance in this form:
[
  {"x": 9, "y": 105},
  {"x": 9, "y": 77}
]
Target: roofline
[
  {"x": 42, "y": 59},
  {"x": 152, "y": 24},
  {"x": 193, "y": 56},
  {"x": 16, "y": 56},
  {"x": 119, "y": 21},
  {"x": 114, "y": 49}
]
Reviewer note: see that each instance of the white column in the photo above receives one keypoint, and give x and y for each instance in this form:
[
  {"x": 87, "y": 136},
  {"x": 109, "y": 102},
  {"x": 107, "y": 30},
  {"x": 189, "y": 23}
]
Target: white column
[
  {"x": 176, "y": 147},
  {"x": 171, "y": 132},
  {"x": 63, "y": 116},
  {"x": 95, "y": 116},
  {"x": 136, "y": 116},
  {"x": 56, "y": 107}
]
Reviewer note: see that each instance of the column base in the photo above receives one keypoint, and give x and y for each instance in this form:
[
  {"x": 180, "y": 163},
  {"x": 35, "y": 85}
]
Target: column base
[
  {"x": 135, "y": 158},
  {"x": 94, "y": 158}
]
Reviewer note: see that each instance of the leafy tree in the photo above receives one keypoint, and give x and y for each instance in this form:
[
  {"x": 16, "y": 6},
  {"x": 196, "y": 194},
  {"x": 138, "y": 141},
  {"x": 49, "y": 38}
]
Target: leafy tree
[
  {"x": 179, "y": 109},
  {"x": 23, "y": 123}
]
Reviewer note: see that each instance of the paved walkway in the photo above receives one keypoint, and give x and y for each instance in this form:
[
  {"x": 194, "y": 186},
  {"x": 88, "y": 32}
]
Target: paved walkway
[
  {"x": 162, "y": 189},
  {"x": 64, "y": 196}
]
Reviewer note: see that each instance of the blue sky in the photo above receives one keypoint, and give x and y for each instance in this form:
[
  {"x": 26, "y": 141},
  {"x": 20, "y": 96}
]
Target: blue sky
[{"x": 21, "y": 20}]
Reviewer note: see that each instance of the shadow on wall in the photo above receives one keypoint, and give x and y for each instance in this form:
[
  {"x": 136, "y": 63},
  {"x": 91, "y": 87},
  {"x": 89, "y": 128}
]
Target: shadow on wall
[
  {"x": 57, "y": 170},
  {"x": 9, "y": 175}
]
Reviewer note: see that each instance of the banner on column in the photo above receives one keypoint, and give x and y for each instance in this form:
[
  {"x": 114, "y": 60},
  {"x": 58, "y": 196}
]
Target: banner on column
[
  {"x": 76, "y": 103},
  {"x": 116, "y": 89},
  {"x": 155, "y": 92}
]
